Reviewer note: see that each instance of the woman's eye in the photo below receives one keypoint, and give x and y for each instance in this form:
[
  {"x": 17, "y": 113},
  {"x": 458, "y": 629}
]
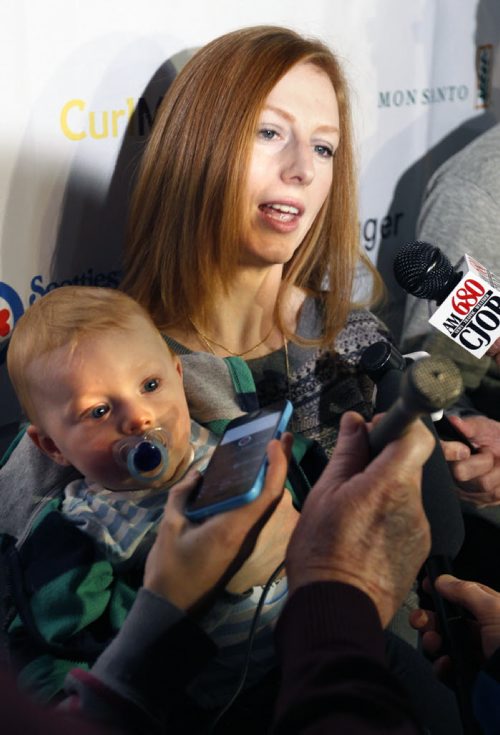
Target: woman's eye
[
  {"x": 267, "y": 134},
  {"x": 99, "y": 411},
  {"x": 324, "y": 151},
  {"x": 151, "y": 385}
]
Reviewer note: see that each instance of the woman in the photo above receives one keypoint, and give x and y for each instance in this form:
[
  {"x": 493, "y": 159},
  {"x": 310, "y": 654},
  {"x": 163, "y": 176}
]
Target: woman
[{"x": 245, "y": 205}]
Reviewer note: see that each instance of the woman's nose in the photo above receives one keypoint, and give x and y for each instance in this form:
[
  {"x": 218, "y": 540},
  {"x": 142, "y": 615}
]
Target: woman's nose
[{"x": 298, "y": 166}]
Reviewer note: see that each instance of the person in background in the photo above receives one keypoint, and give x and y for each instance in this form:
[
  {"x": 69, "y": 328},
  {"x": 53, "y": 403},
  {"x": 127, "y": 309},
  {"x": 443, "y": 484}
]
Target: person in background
[{"x": 461, "y": 214}]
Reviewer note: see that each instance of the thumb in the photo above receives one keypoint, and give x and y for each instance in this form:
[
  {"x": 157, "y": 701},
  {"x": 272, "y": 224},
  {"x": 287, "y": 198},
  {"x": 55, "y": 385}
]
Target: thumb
[
  {"x": 478, "y": 599},
  {"x": 180, "y": 491},
  {"x": 351, "y": 453}
]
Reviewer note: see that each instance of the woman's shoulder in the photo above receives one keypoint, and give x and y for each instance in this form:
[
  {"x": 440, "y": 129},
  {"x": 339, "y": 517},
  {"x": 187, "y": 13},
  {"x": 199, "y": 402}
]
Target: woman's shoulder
[{"x": 361, "y": 328}]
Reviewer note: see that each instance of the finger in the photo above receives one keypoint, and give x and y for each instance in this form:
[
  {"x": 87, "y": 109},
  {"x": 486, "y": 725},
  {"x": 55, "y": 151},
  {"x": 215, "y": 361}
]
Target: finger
[
  {"x": 454, "y": 451},
  {"x": 422, "y": 620},
  {"x": 483, "y": 490},
  {"x": 350, "y": 456},
  {"x": 180, "y": 492},
  {"x": 443, "y": 669},
  {"x": 432, "y": 643},
  {"x": 478, "y": 498},
  {"x": 286, "y": 442},
  {"x": 478, "y": 599},
  {"x": 475, "y": 467},
  {"x": 278, "y": 455},
  {"x": 465, "y": 427},
  {"x": 481, "y": 430}
]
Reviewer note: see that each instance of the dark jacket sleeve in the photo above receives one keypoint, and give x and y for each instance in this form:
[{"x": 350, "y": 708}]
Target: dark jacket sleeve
[
  {"x": 135, "y": 683},
  {"x": 334, "y": 676}
]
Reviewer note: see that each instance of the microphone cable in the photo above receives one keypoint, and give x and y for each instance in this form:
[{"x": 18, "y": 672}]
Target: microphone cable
[{"x": 251, "y": 637}]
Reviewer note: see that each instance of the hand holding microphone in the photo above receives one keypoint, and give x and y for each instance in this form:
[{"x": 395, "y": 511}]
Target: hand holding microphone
[{"x": 426, "y": 386}]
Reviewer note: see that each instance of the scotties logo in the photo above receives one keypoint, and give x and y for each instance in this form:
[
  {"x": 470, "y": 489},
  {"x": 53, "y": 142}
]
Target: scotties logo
[{"x": 11, "y": 308}]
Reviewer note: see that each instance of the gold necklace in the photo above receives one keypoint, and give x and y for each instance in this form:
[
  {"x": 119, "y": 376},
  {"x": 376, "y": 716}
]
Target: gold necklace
[{"x": 208, "y": 342}]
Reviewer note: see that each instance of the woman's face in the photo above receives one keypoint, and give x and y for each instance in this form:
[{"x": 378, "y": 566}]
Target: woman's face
[{"x": 291, "y": 164}]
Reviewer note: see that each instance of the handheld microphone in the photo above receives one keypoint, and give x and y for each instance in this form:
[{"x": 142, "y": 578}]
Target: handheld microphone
[
  {"x": 424, "y": 271},
  {"x": 468, "y": 299},
  {"x": 427, "y": 386}
]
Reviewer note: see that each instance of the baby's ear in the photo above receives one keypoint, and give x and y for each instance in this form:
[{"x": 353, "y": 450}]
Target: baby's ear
[
  {"x": 46, "y": 445},
  {"x": 178, "y": 364}
]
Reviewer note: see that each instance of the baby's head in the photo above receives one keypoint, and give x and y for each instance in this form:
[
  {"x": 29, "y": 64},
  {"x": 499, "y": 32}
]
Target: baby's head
[{"x": 89, "y": 368}]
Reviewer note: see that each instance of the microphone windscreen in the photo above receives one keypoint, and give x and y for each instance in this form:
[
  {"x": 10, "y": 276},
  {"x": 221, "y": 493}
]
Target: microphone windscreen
[{"x": 424, "y": 271}]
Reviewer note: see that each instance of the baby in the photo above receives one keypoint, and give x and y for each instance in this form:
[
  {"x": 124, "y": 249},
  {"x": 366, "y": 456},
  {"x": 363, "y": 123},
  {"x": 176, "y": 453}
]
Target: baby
[
  {"x": 93, "y": 374},
  {"x": 90, "y": 369}
]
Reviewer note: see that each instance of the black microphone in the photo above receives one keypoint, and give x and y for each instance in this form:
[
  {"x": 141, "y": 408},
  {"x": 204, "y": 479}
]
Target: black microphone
[{"x": 424, "y": 271}]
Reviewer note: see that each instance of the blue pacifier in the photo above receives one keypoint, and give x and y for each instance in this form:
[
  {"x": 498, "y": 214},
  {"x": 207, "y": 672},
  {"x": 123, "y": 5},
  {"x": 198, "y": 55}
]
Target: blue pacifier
[{"x": 145, "y": 457}]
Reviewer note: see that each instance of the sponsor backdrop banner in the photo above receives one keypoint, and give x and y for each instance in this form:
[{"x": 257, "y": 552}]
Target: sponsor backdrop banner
[{"x": 81, "y": 82}]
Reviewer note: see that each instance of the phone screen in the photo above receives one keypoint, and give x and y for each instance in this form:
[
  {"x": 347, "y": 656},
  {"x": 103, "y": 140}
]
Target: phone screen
[{"x": 237, "y": 460}]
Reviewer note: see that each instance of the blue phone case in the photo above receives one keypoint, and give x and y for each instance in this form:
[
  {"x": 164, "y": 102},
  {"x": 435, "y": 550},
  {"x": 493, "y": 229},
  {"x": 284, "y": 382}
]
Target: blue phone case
[{"x": 235, "y": 501}]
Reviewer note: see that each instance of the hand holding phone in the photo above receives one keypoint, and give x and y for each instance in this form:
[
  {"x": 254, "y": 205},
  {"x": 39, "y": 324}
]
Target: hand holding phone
[{"x": 236, "y": 472}]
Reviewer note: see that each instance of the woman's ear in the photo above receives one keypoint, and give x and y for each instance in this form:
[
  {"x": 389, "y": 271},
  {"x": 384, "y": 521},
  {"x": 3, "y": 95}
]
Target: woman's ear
[{"x": 46, "y": 445}]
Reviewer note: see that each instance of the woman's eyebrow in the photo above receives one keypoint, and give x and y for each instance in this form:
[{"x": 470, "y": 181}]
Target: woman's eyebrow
[{"x": 291, "y": 118}]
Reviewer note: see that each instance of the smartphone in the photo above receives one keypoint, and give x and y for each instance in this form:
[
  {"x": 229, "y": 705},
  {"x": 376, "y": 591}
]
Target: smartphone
[{"x": 236, "y": 472}]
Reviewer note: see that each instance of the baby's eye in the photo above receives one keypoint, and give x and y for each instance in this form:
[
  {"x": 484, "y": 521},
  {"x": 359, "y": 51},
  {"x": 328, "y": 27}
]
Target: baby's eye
[
  {"x": 151, "y": 385},
  {"x": 324, "y": 151},
  {"x": 99, "y": 411}
]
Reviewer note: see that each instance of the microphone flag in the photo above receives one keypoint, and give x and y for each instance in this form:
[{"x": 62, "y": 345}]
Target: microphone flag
[{"x": 470, "y": 314}]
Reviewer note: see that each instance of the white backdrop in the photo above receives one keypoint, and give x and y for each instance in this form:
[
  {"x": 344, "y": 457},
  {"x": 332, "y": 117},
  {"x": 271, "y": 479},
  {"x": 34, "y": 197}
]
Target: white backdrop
[{"x": 75, "y": 74}]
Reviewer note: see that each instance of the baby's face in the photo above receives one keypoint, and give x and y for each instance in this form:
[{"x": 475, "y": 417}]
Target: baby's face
[{"x": 113, "y": 385}]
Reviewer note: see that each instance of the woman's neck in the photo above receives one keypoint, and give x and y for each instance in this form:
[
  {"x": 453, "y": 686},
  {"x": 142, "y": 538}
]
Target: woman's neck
[{"x": 243, "y": 320}]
